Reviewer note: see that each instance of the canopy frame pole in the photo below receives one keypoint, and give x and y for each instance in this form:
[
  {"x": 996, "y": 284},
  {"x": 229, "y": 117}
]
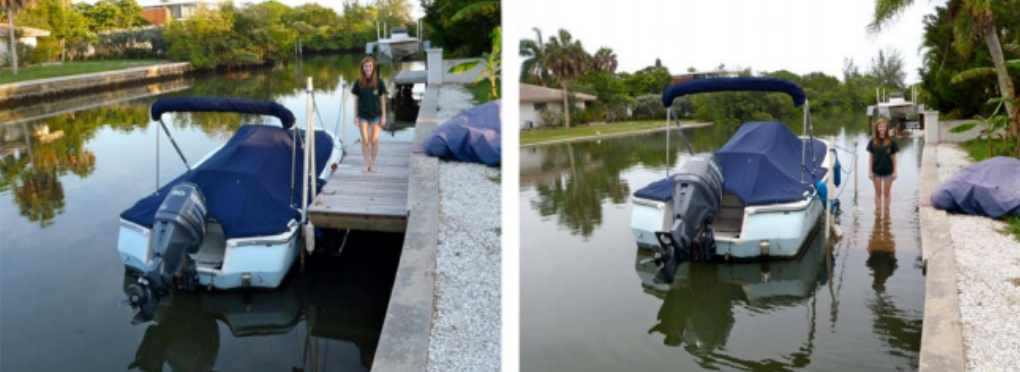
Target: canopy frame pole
[
  {"x": 157, "y": 162},
  {"x": 683, "y": 136},
  {"x": 803, "y": 144},
  {"x": 669, "y": 112},
  {"x": 172, "y": 141}
]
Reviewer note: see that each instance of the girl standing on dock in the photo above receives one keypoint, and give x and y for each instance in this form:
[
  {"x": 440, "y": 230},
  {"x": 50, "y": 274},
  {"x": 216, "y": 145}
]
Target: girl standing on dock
[
  {"x": 370, "y": 99},
  {"x": 882, "y": 157}
]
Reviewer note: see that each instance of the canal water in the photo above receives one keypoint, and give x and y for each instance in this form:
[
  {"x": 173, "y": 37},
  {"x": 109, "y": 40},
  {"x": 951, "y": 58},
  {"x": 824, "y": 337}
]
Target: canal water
[
  {"x": 70, "y": 167},
  {"x": 589, "y": 304}
]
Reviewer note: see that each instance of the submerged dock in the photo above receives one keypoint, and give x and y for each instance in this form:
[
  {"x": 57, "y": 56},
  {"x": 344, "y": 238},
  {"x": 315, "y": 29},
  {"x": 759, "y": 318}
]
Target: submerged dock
[{"x": 353, "y": 199}]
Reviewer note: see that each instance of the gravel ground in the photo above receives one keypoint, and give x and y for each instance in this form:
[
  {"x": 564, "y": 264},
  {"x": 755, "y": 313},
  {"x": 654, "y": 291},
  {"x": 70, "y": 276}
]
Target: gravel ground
[
  {"x": 988, "y": 267},
  {"x": 466, "y": 327}
]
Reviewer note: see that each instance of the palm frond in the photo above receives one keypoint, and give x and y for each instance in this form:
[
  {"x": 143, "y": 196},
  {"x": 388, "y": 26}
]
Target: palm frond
[
  {"x": 885, "y": 12},
  {"x": 480, "y": 7},
  {"x": 973, "y": 73}
]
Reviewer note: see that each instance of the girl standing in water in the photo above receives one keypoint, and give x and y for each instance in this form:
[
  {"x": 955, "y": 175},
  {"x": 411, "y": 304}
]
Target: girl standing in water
[
  {"x": 882, "y": 157},
  {"x": 370, "y": 99}
]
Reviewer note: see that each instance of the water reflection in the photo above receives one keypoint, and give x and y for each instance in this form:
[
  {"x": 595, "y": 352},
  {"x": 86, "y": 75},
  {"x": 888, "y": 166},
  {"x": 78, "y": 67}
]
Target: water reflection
[
  {"x": 698, "y": 311},
  {"x": 331, "y": 302}
]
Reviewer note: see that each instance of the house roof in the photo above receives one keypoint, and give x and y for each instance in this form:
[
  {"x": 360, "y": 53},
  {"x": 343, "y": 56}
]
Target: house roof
[
  {"x": 25, "y": 31},
  {"x": 535, "y": 93}
]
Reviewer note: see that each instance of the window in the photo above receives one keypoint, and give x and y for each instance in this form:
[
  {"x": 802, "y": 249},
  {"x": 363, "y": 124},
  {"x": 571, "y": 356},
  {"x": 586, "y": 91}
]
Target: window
[{"x": 541, "y": 106}]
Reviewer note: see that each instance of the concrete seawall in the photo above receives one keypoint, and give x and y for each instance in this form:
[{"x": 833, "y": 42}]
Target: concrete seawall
[
  {"x": 36, "y": 89},
  {"x": 404, "y": 342}
]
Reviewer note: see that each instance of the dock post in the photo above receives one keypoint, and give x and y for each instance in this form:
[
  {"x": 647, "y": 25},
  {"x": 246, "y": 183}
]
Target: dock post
[
  {"x": 931, "y": 127},
  {"x": 435, "y": 67},
  {"x": 309, "y": 167}
]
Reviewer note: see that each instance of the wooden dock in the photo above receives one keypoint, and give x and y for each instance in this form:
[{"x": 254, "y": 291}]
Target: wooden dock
[{"x": 356, "y": 200}]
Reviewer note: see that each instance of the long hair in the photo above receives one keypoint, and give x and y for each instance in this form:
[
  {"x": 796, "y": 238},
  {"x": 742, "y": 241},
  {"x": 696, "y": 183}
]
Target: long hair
[
  {"x": 364, "y": 80},
  {"x": 886, "y": 140}
]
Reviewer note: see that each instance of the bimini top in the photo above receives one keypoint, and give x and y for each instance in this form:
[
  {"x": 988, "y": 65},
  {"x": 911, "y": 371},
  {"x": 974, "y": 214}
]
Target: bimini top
[
  {"x": 757, "y": 84},
  {"x": 246, "y": 183},
  {"x": 761, "y": 164},
  {"x": 240, "y": 106}
]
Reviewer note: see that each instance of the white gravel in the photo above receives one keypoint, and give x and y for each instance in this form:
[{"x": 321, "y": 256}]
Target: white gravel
[
  {"x": 466, "y": 328},
  {"x": 988, "y": 267}
]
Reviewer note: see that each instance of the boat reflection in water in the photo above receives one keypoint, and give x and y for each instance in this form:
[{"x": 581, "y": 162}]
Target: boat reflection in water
[
  {"x": 700, "y": 308},
  {"x": 335, "y": 299}
]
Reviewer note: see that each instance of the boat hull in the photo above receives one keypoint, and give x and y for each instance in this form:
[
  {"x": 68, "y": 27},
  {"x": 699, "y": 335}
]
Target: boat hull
[
  {"x": 785, "y": 227},
  {"x": 398, "y": 49},
  {"x": 264, "y": 260}
]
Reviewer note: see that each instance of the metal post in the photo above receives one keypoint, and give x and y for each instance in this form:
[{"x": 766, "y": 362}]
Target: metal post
[
  {"x": 803, "y": 144},
  {"x": 668, "y": 112},
  {"x": 829, "y": 186},
  {"x": 175, "y": 144}
]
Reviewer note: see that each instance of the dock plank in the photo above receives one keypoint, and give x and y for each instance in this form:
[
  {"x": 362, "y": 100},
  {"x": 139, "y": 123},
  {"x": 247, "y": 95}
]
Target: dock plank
[{"x": 353, "y": 199}]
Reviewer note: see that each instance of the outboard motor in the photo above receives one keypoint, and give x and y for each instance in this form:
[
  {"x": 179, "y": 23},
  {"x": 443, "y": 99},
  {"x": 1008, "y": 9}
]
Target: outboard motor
[
  {"x": 697, "y": 196},
  {"x": 177, "y": 232}
]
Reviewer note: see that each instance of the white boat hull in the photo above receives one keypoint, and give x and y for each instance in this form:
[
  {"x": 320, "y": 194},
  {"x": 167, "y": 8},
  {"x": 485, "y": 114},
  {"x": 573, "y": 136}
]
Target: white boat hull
[
  {"x": 398, "y": 49},
  {"x": 784, "y": 227}
]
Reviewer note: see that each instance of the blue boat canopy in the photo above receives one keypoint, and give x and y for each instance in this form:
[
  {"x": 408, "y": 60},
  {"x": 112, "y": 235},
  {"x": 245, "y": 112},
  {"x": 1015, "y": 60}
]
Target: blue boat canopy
[
  {"x": 989, "y": 188},
  {"x": 759, "y": 84},
  {"x": 761, "y": 164},
  {"x": 246, "y": 183},
  {"x": 240, "y": 106}
]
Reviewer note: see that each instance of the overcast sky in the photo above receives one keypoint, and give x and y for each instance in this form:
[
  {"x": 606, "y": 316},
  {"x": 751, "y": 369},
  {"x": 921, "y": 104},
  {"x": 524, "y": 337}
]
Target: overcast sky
[{"x": 797, "y": 35}]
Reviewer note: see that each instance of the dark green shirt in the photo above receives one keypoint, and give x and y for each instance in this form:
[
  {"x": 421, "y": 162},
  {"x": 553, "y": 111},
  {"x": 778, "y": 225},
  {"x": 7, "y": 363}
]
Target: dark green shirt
[
  {"x": 882, "y": 156},
  {"x": 369, "y": 99}
]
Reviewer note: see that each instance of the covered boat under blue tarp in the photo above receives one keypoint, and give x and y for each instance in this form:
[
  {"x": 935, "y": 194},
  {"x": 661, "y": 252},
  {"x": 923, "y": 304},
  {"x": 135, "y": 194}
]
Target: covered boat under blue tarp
[
  {"x": 247, "y": 182},
  {"x": 761, "y": 164},
  {"x": 989, "y": 188},
  {"x": 471, "y": 136}
]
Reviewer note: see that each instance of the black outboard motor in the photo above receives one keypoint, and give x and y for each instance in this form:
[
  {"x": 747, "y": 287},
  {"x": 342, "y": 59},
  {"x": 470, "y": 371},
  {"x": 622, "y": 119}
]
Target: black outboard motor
[
  {"x": 697, "y": 196},
  {"x": 177, "y": 232}
]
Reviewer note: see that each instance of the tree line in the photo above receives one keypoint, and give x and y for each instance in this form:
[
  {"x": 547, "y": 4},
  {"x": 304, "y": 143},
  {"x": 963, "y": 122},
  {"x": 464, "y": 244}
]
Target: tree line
[{"x": 562, "y": 62}]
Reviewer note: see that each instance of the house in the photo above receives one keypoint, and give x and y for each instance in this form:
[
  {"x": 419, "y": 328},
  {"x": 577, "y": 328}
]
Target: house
[
  {"x": 698, "y": 75},
  {"x": 160, "y": 12},
  {"x": 534, "y": 99},
  {"x": 26, "y": 35}
]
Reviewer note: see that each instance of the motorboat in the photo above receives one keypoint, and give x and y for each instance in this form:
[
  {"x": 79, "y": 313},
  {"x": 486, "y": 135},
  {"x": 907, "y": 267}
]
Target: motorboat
[
  {"x": 758, "y": 197},
  {"x": 233, "y": 220},
  {"x": 895, "y": 108},
  {"x": 398, "y": 45}
]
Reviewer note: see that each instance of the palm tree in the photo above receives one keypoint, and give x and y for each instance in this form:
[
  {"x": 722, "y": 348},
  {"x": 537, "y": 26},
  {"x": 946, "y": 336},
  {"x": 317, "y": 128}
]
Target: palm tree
[
  {"x": 534, "y": 53},
  {"x": 12, "y": 7},
  {"x": 972, "y": 19},
  {"x": 604, "y": 61},
  {"x": 567, "y": 60}
]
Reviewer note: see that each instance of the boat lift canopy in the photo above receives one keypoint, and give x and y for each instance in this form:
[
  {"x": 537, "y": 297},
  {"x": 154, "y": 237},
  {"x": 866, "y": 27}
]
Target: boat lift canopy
[{"x": 758, "y": 84}]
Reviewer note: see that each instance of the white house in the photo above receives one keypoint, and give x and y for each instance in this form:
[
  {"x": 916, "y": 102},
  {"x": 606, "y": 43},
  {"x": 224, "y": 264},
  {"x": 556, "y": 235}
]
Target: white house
[
  {"x": 28, "y": 37},
  {"x": 536, "y": 98}
]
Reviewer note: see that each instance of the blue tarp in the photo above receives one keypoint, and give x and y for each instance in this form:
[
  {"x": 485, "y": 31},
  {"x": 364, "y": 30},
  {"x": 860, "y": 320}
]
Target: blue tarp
[
  {"x": 246, "y": 183},
  {"x": 241, "y": 106},
  {"x": 989, "y": 188},
  {"x": 758, "y": 84},
  {"x": 471, "y": 136},
  {"x": 761, "y": 164}
]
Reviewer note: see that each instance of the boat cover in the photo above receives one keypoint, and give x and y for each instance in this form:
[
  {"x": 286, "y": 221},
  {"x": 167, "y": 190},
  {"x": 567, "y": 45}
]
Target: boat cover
[
  {"x": 989, "y": 188},
  {"x": 755, "y": 84},
  {"x": 661, "y": 190},
  {"x": 471, "y": 136},
  {"x": 246, "y": 183},
  {"x": 235, "y": 105},
  {"x": 761, "y": 164}
]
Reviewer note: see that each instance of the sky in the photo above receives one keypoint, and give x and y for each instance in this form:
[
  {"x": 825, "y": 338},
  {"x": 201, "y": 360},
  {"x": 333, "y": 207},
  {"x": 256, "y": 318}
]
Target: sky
[{"x": 801, "y": 36}]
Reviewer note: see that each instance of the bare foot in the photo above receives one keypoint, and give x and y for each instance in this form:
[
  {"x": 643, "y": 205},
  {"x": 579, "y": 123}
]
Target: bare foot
[
  {"x": 371, "y": 169},
  {"x": 366, "y": 169}
]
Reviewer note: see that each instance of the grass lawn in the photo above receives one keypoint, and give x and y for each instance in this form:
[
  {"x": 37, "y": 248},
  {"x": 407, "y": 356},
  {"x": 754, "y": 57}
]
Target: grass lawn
[
  {"x": 70, "y": 68},
  {"x": 545, "y": 135},
  {"x": 1014, "y": 226}
]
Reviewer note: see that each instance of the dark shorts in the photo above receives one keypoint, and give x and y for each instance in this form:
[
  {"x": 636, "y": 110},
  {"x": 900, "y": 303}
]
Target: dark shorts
[
  {"x": 373, "y": 121},
  {"x": 883, "y": 176}
]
